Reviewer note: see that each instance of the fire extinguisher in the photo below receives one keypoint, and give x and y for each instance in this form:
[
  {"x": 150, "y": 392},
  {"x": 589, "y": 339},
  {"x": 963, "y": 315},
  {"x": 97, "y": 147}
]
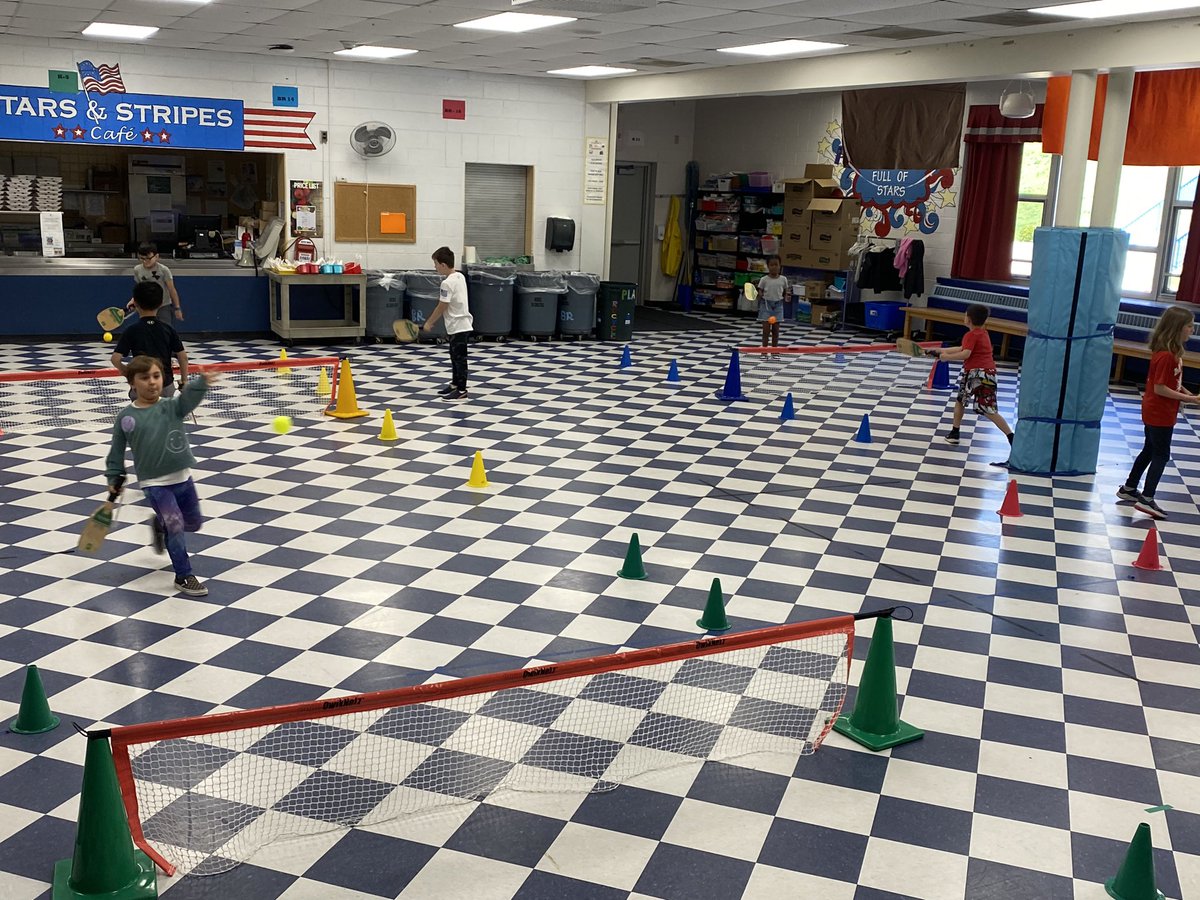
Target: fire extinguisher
[{"x": 304, "y": 250}]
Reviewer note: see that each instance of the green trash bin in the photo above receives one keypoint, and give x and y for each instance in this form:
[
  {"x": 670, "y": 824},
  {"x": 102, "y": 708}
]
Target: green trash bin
[{"x": 615, "y": 304}]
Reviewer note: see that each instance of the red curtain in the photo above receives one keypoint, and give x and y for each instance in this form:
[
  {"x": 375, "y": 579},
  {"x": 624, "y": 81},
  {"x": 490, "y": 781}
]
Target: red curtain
[
  {"x": 988, "y": 216},
  {"x": 1189, "y": 279}
]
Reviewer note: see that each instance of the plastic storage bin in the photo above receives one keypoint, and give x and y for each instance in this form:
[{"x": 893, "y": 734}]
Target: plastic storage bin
[
  {"x": 615, "y": 303},
  {"x": 422, "y": 289},
  {"x": 537, "y": 302},
  {"x": 883, "y": 316},
  {"x": 577, "y": 307},
  {"x": 385, "y": 301},
  {"x": 490, "y": 298}
]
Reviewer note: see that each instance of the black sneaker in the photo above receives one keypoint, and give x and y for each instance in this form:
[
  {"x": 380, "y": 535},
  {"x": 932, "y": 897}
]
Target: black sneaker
[
  {"x": 1149, "y": 507},
  {"x": 158, "y": 536},
  {"x": 952, "y": 436},
  {"x": 448, "y": 389},
  {"x": 457, "y": 395},
  {"x": 191, "y": 586},
  {"x": 1124, "y": 492}
]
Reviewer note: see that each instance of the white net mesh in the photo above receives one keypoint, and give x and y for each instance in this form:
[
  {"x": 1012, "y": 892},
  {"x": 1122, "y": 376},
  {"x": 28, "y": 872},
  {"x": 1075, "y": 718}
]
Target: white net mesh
[
  {"x": 210, "y": 800},
  {"x": 50, "y": 400}
]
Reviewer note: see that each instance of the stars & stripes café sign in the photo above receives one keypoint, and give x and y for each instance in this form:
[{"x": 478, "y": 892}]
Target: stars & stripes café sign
[{"x": 102, "y": 112}]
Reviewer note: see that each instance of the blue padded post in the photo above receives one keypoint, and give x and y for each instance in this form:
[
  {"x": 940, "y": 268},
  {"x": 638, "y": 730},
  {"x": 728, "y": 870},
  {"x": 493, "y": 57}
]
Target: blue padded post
[{"x": 1074, "y": 297}]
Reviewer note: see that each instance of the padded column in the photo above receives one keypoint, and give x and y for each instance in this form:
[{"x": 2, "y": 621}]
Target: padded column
[{"x": 1074, "y": 296}]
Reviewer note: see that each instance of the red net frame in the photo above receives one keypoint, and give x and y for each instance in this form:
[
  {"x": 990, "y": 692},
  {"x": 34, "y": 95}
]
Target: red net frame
[
  {"x": 124, "y": 737},
  {"x": 38, "y": 400},
  {"x": 833, "y": 348}
]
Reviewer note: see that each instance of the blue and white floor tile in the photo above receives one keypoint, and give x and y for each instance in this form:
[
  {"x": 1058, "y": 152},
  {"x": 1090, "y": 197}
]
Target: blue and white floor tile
[{"x": 1058, "y": 686}]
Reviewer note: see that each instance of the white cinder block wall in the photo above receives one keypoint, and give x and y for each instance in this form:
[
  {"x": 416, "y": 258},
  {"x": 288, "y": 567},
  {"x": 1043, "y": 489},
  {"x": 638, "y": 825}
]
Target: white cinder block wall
[{"x": 510, "y": 120}]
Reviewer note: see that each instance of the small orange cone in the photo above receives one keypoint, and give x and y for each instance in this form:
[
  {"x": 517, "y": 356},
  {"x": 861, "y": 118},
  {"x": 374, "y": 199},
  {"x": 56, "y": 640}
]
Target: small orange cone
[
  {"x": 1011, "y": 507},
  {"x": 1148, "y": 558}
]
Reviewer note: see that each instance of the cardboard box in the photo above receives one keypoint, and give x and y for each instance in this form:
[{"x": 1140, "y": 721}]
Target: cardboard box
[
  {"x": 803, "y": 257},
  {"x": 814, "y": 289},
  {"x": 811, "y": 311}
]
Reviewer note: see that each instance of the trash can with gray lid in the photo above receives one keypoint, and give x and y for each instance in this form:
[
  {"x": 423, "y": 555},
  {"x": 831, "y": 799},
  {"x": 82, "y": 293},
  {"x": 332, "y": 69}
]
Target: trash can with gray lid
[
  {"x": 537, "y": 302},
  {"x": 423, "y": 289},
  {"x": 577, "y": 307},
  {"x": 385, "y": 301},
  {"x": 490, "y": 298}
]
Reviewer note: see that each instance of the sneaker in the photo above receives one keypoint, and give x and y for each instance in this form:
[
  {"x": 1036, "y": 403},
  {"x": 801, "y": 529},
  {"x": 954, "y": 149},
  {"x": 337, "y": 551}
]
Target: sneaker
[
  {"x": 158, "y": 536},
  {"x": 457, "y": 395},
  {"x": 1149, "y": 507},
  {"x": 952, "y": 436},
  {"x": 191, "y": 586},
  {"x": 1124, "y": 492},
  {"x": 448, "y": 389}
]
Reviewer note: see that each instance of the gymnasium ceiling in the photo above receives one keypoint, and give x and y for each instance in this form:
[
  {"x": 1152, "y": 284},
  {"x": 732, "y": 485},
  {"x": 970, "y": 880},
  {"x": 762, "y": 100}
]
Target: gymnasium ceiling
[{"x": 667, "y": 36}]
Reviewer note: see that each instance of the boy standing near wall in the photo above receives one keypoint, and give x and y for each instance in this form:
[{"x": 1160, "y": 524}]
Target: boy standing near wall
[
  {"x": 452, "y": 303},
  {"x": 150, "y": 269}
]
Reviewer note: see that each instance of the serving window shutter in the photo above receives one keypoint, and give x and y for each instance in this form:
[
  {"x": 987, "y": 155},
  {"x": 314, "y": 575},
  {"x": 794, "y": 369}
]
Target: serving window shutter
[{"x": 496, "y": 209}]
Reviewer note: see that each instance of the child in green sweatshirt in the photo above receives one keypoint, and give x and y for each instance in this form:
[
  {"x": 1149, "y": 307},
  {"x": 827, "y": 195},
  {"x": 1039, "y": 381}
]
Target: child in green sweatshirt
[{"x": 152, "y": 427}]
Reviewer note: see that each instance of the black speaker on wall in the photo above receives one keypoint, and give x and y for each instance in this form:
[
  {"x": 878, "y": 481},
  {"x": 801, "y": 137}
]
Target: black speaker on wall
[{"x": 560, "y": 234}]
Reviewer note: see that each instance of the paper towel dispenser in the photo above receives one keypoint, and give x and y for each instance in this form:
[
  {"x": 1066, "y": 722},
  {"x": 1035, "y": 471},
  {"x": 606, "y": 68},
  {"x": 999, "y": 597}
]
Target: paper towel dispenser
[{"x": 560, "y": 234}]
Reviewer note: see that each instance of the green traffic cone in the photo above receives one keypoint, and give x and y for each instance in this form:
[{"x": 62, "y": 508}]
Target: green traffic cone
[
  {"x": 34, "y": 716},
  {"x": 714, "y": 610},
  {"x": 105, "y": 862},
  {"x": 633, "y": 567},
  {"x": 875, "y": 722},
  {"x": 1135, "y": 878}
]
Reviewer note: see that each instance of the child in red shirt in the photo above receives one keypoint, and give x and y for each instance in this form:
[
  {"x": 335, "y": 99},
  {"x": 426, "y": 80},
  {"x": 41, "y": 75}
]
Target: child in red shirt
[
  {"x": 1160, "y": 407},
  {"x": 977, "y": 383}
]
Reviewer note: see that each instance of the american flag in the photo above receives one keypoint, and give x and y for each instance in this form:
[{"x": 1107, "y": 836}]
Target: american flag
[
  {"x": 279, "y": 129},
  {"x": 102, "y": 79}
]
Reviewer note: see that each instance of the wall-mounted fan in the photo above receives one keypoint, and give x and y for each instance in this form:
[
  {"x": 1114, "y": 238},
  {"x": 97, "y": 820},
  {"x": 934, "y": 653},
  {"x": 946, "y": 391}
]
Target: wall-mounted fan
[{"x": 372, "y": 139}]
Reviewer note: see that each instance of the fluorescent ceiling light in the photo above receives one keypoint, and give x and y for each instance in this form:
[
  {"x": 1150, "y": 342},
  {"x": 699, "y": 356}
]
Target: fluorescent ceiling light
[
  {"x": 781, "y": 48},
  {"x": 514, "y": 23},
  {"x": 362, "y": 51},
  {"x": 1107, "y": 9},
  {"x": 109, "y": 30},
  {"x": 591, "y": 71}
]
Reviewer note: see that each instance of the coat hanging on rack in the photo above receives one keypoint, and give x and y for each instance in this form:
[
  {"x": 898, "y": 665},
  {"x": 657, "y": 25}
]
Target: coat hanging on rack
[
  {"x": 910, "y": 262},
  {"x": 878, "y": 270}
]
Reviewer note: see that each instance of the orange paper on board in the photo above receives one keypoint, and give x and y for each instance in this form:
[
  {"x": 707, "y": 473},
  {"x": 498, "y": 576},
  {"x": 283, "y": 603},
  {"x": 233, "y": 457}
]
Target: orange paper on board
[{"x": 393, "y": 223}]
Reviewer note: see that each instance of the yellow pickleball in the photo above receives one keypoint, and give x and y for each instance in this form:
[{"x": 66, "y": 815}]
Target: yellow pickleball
[
  {"x": 282, "y": 424},
  {"x": 108, "y": 337}
]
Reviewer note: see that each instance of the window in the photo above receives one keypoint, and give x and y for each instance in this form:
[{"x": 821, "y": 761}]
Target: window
[
  {"x": 1186, "y": 181},
  {"x": 497, "y": 213},
  {"x": 1038, "y": 172}
]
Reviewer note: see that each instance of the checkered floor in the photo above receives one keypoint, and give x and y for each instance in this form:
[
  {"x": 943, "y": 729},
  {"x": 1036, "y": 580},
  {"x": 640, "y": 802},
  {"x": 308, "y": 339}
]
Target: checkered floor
[{"x": 1059, "y": 688}]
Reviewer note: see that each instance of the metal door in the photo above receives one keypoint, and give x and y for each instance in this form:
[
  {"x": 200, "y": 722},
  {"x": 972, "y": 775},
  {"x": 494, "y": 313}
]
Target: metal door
[{"x": 632, "y": 218}]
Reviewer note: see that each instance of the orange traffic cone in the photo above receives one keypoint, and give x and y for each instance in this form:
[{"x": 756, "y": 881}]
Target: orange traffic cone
[
  {"x": 1011, "y": 507},
  {"x": 1148, "y": 558},
  {"x": 346, "y": 406}
]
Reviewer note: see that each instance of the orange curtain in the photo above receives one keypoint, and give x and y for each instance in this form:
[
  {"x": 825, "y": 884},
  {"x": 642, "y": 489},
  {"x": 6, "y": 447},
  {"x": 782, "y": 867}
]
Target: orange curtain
[{"x": 1164, "y": 118}]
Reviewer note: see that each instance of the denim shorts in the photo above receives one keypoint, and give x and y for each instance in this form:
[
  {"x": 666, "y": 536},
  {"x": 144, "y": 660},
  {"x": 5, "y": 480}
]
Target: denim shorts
[{"x": 767, "y": 308}]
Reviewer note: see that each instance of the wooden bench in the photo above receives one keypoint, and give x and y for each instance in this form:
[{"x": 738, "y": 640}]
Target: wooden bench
[{"x": 1006, "y": 328}]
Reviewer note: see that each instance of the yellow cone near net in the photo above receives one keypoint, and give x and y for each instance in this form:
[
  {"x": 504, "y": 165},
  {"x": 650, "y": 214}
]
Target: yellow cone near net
[
  {"x": 388, "y": 432},
  {"x": 323, "y": 389},
  {"x": 347, "y": 402},
  {"x": 478, "y": 477},
  {"x": 283, "y": 371}
]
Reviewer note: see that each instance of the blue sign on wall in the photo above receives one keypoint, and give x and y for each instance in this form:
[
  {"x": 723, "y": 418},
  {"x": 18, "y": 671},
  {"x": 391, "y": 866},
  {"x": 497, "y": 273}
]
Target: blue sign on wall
[
  {"x": 287, "y": 97},
  {"x": 125, "y": 120}
]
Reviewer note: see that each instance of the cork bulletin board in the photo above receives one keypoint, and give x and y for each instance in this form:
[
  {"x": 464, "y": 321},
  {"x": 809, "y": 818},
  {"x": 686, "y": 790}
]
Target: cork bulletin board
[{"x": 370, "y": 213}]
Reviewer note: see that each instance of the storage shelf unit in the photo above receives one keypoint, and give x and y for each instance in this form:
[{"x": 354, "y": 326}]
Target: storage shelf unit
[{"x": 732, "y": 253}]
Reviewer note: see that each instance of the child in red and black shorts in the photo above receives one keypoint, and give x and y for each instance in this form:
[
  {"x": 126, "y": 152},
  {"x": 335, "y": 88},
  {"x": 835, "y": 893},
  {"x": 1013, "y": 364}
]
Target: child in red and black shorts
[{"x": 977, "y": 384}]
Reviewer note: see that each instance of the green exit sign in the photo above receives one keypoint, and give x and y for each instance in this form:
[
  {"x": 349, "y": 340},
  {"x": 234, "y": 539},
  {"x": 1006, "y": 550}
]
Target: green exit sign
[{"x": 64, "y": 82}]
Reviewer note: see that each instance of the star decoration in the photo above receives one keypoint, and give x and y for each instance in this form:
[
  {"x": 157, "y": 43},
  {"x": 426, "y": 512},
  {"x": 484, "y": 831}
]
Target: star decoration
[
  {"x": 910, "y": 226},
  {"x": 164, "y": 137},
  {"x": 948, "y": 198},
  {"x": 77, "y": 133},
  {"x": 147, "y": 136},
  {"x": 59, "y": 131}
]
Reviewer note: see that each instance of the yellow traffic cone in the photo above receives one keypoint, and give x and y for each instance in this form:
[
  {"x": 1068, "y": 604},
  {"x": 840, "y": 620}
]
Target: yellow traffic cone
[
  {"x": 282, "y": 371},
  {"x": 478, "y": 477},
  {"x": 388, "y": 432},
  {"x": 323, "y": 389},
  {"x": 347, "y": 402}
]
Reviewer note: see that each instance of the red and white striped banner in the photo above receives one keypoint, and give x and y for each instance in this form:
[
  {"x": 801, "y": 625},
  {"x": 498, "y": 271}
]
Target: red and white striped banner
[{"x": 277, "y": 129}]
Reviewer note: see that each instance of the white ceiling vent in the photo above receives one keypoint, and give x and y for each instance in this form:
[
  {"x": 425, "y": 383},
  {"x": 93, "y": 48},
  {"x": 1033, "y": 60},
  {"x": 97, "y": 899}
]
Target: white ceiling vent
[{"x": 598, "y": 7}]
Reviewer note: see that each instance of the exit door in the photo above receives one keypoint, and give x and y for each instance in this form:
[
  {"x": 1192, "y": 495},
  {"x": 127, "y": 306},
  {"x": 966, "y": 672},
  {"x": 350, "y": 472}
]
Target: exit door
[{"x": 633, "y": 211}]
